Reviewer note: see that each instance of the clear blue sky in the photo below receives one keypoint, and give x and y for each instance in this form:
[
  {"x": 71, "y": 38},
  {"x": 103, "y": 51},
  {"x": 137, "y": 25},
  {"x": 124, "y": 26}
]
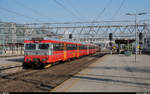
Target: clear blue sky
[{"x": 48, "y": 11}]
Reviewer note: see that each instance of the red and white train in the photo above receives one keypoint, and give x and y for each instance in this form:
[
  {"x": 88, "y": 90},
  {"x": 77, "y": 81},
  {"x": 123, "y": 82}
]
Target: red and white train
[{"x": 44, "y": 52}]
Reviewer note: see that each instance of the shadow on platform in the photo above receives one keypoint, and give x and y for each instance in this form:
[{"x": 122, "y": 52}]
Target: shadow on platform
[
  {"x": 111, "y": 80},
  {"x": 128, "y": 69},
  {"x": 112, "y": 76},
  {"x": 16, "y": 60},
  {"x": 146, "y": 52}
]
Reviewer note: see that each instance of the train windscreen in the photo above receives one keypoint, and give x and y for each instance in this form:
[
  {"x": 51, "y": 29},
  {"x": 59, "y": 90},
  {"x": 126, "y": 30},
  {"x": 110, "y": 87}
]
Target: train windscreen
[{"x": 30, "y": 46}]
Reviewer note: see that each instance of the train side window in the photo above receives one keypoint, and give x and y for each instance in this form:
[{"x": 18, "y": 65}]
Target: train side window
[
  {"x": 69, "y": 46},
  {"x": 80, "y": 47},
  {"x": 54, "y": 47},
  {"x": 61, "y": 47},
  {"x": 58, "y": 47},
  {"x": 72, "y": 46},
  {"x": 75, "y": 46},
  {"x": 89, "y": 47},
  {"x": 84, "y": 47}
]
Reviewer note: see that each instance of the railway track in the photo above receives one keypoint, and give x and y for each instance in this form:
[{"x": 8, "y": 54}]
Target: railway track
[
  {"x": 10, "y": 70},
  {"x": 46, "y": 79},
  {"x": 10, "y": 67}
]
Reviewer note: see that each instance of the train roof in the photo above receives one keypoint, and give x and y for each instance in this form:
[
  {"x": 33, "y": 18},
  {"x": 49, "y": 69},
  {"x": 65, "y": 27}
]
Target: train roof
[{"x": 56, "y": 39}]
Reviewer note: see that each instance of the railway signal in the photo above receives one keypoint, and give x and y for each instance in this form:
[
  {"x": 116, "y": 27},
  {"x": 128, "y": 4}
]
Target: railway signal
[
  {"x": 70, "y": 36},
  {"x": 110, "y": 36},
  {"x": 140, "y": 36}
]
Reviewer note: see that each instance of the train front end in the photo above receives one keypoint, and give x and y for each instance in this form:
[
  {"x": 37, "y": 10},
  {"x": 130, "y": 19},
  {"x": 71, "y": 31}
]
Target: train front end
[{"x": 36, "y": 53}]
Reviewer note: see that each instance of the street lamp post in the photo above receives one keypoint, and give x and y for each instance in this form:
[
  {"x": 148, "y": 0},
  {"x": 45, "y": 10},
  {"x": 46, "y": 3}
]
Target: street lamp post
[{"x": 136, "y": 39}]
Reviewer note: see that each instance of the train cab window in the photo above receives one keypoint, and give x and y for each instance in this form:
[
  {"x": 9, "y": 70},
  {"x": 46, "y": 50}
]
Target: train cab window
[
  {"x": 30, "y": 46},
  {"x": 44, "y": 46}
]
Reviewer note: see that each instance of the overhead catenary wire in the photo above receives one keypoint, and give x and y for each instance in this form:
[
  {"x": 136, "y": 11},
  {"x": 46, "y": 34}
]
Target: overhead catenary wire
[
  {"x": 99, "y": 14},
  {"x": 30, "y": 9},
  {"x": 117, "y": 11},
  {"x": 3, "y": 17},
  {"x": 19, "y": 14},
  {"x": 74, "y": 8},
  {"x": 66, "y": 9},
  {"x": 104, "y": 9},
  {"x": 85, "y": 22}
]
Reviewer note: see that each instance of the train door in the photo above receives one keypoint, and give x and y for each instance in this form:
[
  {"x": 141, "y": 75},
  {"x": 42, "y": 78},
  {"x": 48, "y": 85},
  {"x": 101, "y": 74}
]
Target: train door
[
  {"x": 50, "y": 49},
  {"x": 65, "y": 51},
  {"x": 87, "y": 49},
  {"x": 78, "y": 51}
]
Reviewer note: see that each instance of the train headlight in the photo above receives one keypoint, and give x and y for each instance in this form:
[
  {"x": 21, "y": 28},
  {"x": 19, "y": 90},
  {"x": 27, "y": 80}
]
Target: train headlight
[{"x": 28, "y": 59}]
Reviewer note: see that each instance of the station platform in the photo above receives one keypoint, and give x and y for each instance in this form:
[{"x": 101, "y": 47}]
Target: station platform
[
  {"x": 10, "y": 55},
  {"x": 111, "y": 73},
  {"x": 6, "y": 62}
]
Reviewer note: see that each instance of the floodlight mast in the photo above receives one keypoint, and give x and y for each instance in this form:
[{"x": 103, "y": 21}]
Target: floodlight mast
[{"x": 136, "y": 39}]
